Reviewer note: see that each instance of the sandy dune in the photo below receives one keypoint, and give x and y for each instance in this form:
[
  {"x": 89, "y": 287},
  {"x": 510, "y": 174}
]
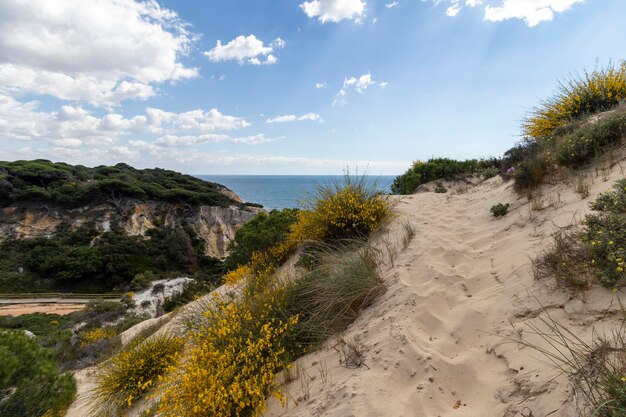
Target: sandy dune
[
  {"x": 441, "y": 342},
  {"x": 437, "y": 343}
]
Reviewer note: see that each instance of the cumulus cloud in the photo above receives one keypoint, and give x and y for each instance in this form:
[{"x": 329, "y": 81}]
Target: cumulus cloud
[
  {"x": 532, "y": 12},
  {"x": 392, "y": 4},
  {"x": 292, "y": 118},
  {"x": 246, "y": 50},
  {"x": 358, "y": 84},
  {"x": 74, "y": 126},
  {"x": 334, "y": 10},
  {"x": 100, "y": 52},
  {"x": 320, "y": 85}
]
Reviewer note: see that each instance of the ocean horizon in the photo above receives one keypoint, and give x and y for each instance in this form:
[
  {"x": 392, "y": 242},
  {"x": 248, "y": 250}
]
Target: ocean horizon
[{"x": 284, "y": 191}]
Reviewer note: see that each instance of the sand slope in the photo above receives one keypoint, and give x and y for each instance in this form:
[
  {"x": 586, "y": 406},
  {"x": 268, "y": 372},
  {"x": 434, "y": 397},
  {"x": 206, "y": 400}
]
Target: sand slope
[{"x": 435, "y": 343}]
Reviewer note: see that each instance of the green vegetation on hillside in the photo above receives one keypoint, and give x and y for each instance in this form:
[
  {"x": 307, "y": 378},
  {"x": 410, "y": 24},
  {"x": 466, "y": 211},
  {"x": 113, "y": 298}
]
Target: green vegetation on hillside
[
  {"x": 44, "y": 181},
  {"x": 259, "y": 234},
  {"x": 86, "y": 260}
]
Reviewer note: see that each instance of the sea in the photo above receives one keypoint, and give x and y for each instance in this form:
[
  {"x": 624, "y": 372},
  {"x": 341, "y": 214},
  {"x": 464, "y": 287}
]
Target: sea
[{"x": 285, "y": 191}]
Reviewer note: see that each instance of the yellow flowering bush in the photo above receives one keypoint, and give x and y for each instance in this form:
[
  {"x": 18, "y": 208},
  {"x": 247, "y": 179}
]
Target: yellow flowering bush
[
  {"x": 231, "y": 365},
  {"x": 580, "y": 95},
  {"x": 130, "y": 374},
  {"x": 96, "y": 334},
  {"x": 341, "y": 211},
  {"x": 242, "y": 272}
]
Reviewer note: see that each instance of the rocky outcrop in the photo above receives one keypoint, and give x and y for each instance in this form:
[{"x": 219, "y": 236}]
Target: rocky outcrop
[{"x": 215, "y": 225}]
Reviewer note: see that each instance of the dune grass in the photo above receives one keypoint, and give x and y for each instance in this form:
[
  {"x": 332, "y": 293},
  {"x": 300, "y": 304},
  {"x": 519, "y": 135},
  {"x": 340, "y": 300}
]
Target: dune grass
[
  {"x": 596, "y": 369},
  {"x": 129, "y": 375}
]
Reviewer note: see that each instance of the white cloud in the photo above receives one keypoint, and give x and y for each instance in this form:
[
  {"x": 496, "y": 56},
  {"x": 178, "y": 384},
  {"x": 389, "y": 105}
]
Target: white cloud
[
  {"x": 246, "y": 50},
  {"x": 532, "y": 12},
  {"x": 359, "y": 85},
  {"x": 190, "y": 140},
  {"x": 320, "y": 85},
  {"x": 73, "y": 126},
  {"x": 392, "y": 4},
  {"x": 100, "y": 52},
  {"x": 292, "y": 118},
  {"x": 453, "y": 10},
  {"x": 334, "y": 10}
]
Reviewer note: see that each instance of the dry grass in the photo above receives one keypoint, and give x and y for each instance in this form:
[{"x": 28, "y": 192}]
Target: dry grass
[{"x": 596, "y": 369}]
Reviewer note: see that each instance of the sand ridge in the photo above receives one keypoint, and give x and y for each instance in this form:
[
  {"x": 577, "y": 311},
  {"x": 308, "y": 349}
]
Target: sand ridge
[{"x": 441, "y": 341}]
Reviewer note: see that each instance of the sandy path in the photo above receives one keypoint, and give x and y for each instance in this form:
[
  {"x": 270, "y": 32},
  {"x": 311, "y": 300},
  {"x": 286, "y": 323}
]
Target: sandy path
[
  {"x": 435, "y": 343},
  {"x": 21, "y": 309}
]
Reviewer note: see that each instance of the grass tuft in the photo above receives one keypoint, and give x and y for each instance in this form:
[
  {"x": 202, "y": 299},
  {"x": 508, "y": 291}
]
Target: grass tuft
[{"x": 129, "y": 375}]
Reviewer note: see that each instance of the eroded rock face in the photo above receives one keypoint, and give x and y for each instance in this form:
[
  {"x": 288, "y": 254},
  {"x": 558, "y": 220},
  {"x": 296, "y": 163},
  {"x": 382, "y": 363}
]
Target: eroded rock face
[{"x": 216, "y": 226}]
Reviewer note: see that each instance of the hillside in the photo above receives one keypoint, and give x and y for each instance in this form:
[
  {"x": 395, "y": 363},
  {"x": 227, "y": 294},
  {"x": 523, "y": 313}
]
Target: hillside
[{"x": 73, "y": 228}]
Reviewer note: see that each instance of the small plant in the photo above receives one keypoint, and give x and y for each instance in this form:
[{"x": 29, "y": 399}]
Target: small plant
[
  {"x": 130, "y": 374},
  {"x": 500, "y": 210},
  {"x": 582, "y": 186},
  {"x": 566, "y": 260},
  {"x": 605, "y": 235},
  {"x": 597, "y": 250},
  {"x": 489, "y": 172},
  {"x": 351, "y": 353},
  {"x": 440, "y": 188}
]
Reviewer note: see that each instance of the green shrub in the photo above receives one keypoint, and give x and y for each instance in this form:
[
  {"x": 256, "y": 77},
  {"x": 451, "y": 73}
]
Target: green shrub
[
  {"x": 596, "y": 251},
  {"x": 259, "y": 234},
  {"x": 490, "y": 172},
  {"x": 436, "y": 169},
  {"x": 499, "y": 210},
  {"x": 30, "y": 383},
  {"x": 440, "y": 189},
  {"x": 605, "y": 235},
  {"x": 577, "y": 148},
  {"x": 191, "y": 291}
]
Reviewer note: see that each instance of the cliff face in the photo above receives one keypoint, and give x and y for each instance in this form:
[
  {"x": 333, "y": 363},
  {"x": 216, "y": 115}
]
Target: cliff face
[{"x": 215, "y": 225}]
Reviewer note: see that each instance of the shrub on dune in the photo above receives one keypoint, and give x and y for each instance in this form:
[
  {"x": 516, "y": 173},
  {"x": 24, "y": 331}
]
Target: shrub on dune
[
  {"x": 592, "y": 92},
  {"x": 350, "y": 209},
  {"x": 129, "y": 375}
]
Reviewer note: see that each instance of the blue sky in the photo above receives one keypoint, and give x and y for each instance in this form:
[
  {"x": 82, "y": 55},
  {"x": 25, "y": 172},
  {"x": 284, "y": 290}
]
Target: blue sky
[{"x": 286, "y": 87}]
